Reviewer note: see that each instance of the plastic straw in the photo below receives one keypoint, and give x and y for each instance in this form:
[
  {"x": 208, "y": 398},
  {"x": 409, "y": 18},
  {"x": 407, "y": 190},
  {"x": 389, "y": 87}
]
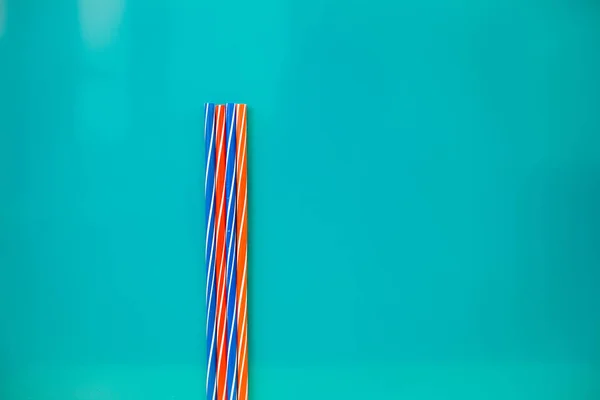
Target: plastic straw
[
  {"x": 220, "y": 262},
  {"x": 242, "y": 251},
  {"x": 231, "y": 195},
  {"x": 211, "y": 292}
]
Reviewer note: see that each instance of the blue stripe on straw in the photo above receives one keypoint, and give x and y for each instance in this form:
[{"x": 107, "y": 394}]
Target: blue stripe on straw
[
  {"x": 211, "y": 285},
  {"x": 230, "y": 195}
]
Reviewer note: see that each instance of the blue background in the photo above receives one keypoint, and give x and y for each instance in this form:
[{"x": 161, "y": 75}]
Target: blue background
[{"x": 424, "y": 191}]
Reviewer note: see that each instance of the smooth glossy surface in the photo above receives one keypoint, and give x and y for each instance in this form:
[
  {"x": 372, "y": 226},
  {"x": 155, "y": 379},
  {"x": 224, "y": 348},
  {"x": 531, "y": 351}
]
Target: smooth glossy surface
[{"x": 424, "y": 191}]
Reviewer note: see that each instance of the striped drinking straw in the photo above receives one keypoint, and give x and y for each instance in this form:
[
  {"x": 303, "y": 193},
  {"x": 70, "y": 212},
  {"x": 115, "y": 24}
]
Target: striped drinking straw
[
  {"x": 220, "y": 256},
  {"x": 230, "y": 185},
  {"x": 242, "y": 247},
  {"x": 209, "y": 251}
]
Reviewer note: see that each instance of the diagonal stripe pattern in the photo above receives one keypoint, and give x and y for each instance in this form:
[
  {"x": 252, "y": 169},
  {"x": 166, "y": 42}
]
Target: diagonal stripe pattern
[
  {"x": 211, "y": 292},
  {"x": 242, "y": 251},
  {"x": 226, "y": 251},
  {"x": 220, "y": 258},
  {"x": 231, "y": 278}
]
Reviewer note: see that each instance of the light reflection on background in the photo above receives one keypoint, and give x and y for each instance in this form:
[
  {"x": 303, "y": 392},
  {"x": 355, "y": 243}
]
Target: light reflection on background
[
  {"x": 99, "y": 21},
  {"x": 102, "y": 94}
]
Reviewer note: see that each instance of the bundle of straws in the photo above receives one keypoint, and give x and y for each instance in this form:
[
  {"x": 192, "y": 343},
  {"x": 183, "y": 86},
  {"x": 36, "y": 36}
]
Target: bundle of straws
[{"x": 226, "y": 252}]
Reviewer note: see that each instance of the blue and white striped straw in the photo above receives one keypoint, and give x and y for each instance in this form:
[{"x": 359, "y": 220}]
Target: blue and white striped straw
[
  {"x": 211, "y": 286},
  {"x": 231, "y": 245}
]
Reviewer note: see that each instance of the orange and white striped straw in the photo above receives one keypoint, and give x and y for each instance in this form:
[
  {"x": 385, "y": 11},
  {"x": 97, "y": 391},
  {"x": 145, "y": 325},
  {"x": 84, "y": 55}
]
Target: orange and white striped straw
[
  {"x": 242, "y": 253},
  {"x": 220, "y": 259}
]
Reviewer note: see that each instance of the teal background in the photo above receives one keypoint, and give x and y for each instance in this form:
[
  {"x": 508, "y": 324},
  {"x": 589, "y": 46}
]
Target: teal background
[{"x": 424, "y": 196}]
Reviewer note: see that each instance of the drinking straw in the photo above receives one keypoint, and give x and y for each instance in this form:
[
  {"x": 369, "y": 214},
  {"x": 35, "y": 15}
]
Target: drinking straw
[
  {"x": 242, "y": 252},
  {"x": 220, "y": 262},
  {"x": 209, "y": 251},
  {"x": 230, "y": 185}
]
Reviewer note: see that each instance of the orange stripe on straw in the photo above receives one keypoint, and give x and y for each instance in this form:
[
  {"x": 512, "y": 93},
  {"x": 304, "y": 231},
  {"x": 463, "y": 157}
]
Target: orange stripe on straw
[
  {"x": 242, "y": 243},
  {"x": 220, "y": 258}
]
